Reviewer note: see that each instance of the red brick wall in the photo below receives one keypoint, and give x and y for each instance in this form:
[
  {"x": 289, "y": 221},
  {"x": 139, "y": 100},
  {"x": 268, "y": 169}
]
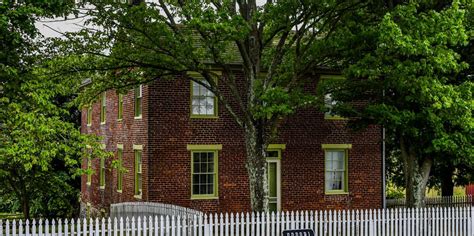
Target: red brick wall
[
  {"x": 167, "y": 162},
  {"x": 128, "y": 131}
]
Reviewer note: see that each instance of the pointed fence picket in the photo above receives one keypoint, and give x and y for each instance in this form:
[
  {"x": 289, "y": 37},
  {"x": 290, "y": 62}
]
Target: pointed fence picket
[{"x": 458, "y": 221}]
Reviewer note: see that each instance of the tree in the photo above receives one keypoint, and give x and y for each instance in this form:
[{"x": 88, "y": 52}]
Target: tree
[
  {"x": 446, "y": 172},
  {"x": 408, "y": 67},
  {"x": 140, "y": 43},
  {"x": 40, "y": 152}
]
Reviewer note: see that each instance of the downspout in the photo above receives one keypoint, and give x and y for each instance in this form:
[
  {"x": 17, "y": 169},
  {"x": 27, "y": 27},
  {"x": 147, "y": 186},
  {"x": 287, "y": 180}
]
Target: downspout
[{"x": 384, "y": 178}]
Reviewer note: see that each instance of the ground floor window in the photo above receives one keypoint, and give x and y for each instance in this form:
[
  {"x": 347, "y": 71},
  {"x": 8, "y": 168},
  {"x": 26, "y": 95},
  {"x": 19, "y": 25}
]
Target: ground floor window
[
  {"x": 102, "y": 173},
  {"x": 120, "y": 167},
  {"x": 138, "y": 170},
  {"x": 204, "y": 171},
  {"x": 336, "y": 168}
]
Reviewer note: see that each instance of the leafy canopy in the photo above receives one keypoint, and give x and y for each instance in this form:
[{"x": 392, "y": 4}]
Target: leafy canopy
[{"x": 40, "y": 152}]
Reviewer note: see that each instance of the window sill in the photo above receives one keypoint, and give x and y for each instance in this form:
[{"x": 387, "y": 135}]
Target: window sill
[
  {"x": 102, "y": 123},
  {"x": 119, "y": 191},
  {"x": 337, "y": 193},
  {"x": 329, "y": 117},
  {"x": 102, "y": 187},
  {"x": 137, "y": 196},
  {"x": 89, "y": 125},
  {"x": 137, "y": 117},
  {"x": 204, "y": 197},
  {"x": 119, "y": 120},
  {"x": 88, "y": 184},
  {"x": 204, "y": 117}
]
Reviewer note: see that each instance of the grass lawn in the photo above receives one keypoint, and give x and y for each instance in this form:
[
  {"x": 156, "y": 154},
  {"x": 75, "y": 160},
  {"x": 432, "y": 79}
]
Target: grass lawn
[{"x": 10, "y": 216}]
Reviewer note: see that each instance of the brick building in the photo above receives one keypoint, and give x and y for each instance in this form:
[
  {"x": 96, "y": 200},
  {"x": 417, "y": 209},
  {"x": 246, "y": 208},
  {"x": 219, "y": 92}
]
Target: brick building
[{"x": 178, "y": 146}]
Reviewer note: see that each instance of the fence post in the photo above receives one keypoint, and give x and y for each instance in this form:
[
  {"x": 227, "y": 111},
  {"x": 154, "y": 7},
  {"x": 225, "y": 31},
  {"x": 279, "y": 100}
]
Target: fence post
[
  {"x": 371, "y": 223},
  {"x": 471, "y": 217},
  {"x": 206, "y": 225}
]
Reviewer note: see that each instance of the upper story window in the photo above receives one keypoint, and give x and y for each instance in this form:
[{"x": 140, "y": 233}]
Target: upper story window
[
  {"x": 120, "y": 107},
  {"x": 138, "y": 94},
  {"x": 103, "y": 107},
  {"x": 329, "y": 101},
  {"x": 336, "y": 168},
  {"x": 89, "y": 115},
  {"x": 203, "y": 101}
]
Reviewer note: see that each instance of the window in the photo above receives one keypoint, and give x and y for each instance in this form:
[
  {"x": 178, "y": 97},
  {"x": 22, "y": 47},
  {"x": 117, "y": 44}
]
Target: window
[
  {"x": 203, "y": 101},
  {"x": 336, "y": 173},
  {"x": 102, "y": 173},
  {"x": 204, "y": 171},
  {"x": 103, "y": 107},
  {"x": 87, "y": 155},
  {"x": 89, "y": 115},
  {"x": 120, "y": 167},
  {"x": 138, "y": 101},
  {"x": 329, "y": 104},
  {"x": 138, "y": 170},
  {"x": 120, "y": 107},
  {"x": 329, "y": 101},
  {"x": 89, "y": 169}
]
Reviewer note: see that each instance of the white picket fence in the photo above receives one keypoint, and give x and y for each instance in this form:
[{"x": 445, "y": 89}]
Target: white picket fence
[{"x": 394, "y": 222}]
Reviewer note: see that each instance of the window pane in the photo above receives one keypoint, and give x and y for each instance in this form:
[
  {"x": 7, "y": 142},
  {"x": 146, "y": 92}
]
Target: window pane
[
  {"x": 207, "y": 92},
  {"x": 334, "y": 180},
  {"x": 196, "y": 167},
  {"x": 203, "y": 168},
  {"x": 210, "y": 107},
  {"x": 195, "y": 88},
  {"x": 329, "y": 164},
  {"x": 196, "y": 189},
  {"x": 272, "y": 154},
  {"x": 139, "y": 183},
  {"x": 197, "y": 157},
  {"x": 210, "y": 179}
]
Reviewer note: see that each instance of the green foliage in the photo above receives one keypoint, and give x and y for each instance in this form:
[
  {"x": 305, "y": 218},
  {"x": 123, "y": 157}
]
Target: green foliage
[
  {"x": 410, "y": 70},
  {"x": 394, "y": 192},
  {"x": 11, "y": 216},
  {"x": 40, "y": 150}
]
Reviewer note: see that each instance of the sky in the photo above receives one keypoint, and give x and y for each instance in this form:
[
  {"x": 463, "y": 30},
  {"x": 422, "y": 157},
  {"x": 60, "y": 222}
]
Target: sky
[{"x": 48, "y": 27}]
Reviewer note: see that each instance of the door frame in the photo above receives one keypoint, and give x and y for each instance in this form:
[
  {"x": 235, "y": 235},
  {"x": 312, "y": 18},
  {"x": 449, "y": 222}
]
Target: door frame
[{"x": 276, "y": 160}]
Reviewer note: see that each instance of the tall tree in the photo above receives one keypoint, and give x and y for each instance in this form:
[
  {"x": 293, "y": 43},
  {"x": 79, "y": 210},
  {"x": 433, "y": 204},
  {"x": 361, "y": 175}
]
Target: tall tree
[
  {"x": 39, "y": 150},
  {"x": 405, "y": 61},
  {"x": 147, "y": 41}
]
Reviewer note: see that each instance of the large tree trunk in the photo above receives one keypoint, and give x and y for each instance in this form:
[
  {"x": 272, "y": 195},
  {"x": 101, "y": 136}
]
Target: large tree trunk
[
  {"x": 25, "y": 205},
  {"x": 417, "y": 171},
  {"x": 256, "y": 169},
  {"x": 447, "y": 183}
]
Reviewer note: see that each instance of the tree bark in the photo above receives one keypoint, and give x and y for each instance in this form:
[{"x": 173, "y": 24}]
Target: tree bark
[
  {"x": 447, "y": 183},
  {"x": 417, "y": 170},
  {"x": 257, "y": 169},
  {"x": 25, "y": 205}
]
